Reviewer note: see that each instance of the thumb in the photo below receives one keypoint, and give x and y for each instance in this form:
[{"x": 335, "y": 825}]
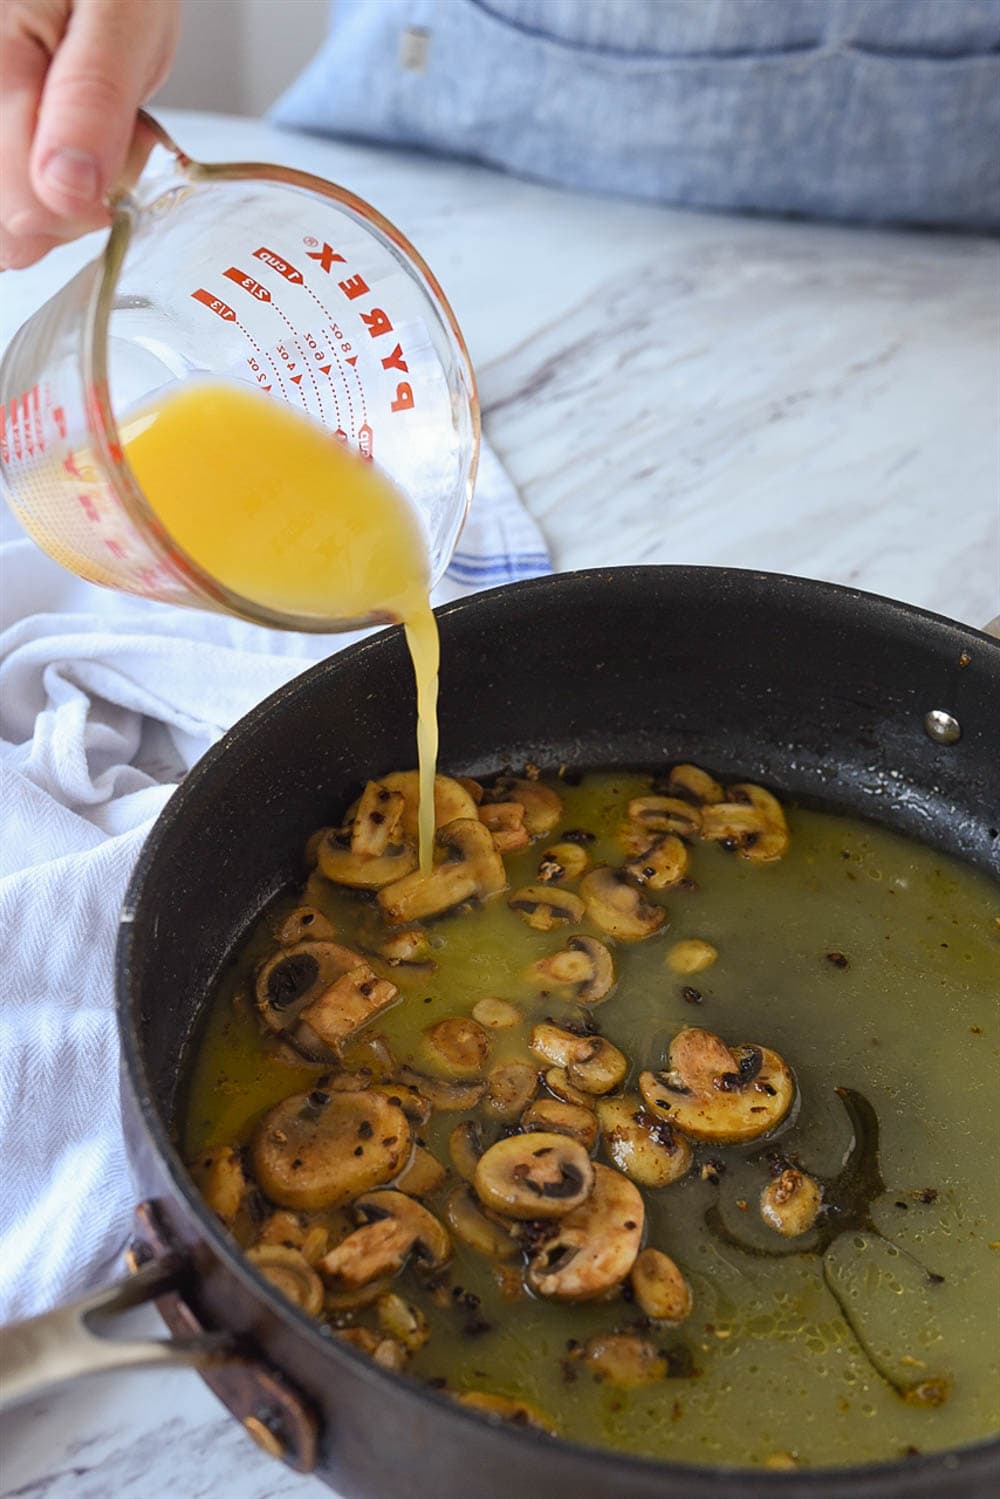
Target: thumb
[{"x": 109, "y": 59}]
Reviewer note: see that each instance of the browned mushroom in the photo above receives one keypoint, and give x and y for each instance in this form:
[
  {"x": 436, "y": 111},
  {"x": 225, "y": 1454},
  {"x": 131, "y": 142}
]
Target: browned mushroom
[
  {"x": 563, "y": 861},
  {"x": 222, "y": 1181},
  {"x": 623, "y": 1359},
  {"x": 693, "y": 955},
  {"x": 617, "y": 907},
  {"x": 465, "y": 1146},
  {"x": 583, "y": 968},
  {"x": 557, "y": 1081},
  {"x": 422, "y": 1174},
  {"x": 469, "y": 868},
  {"x": 545, "y": 906},
  {"x": 496, "y": 1014},
  {"x": 288, "y": 1270},
  {"x": 505, "y": 1409},
  {"x": 486, "y": 1235},
  {"x": 448, "y": 1097},
  {"x": 663, "y": 814},
  {"x": 694, "y": 783},
  {"x": 403, "y": 1321},
  {"x": 505, "y": 821},
  {"x": 292, "y": 978},
  {"x": 393, "y": 1229},
  {"x": 319, "y": 1149},
  {"x": 591, "y": 1063},
  {"x": 342, "y": 865},
  {"x": 456, "y": 1047},
  {"x": 510, "y": 1087},
  {"x": 644, "y": 1147},
  {"x": 342, "y": 1009},
  {"x": 661, "y": 865},
  {"x": 790, "y": 1204},
  {"x": 305, "y": 924},
  {"x": 410, "y": 949},
  {"x": 537, "y": 1175},
  {"x": 595, "y": 1246},
  {"x": 558, "y": 1118},
  {"x": 710, "y": 1091},
  {"x": 382, "y": 1350},
  {"x": 542, "y": 806},
  {"x": 377, "y": 820},
  {"x": 452, "y": 800},
  {"x": 660, "y": 1289},
  {"x": 295, "y": 1231},
  {"x": 750, "y": 820}
]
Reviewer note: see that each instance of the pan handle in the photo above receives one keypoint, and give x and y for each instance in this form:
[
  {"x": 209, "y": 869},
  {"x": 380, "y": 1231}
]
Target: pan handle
[{"x": 71, "y": 1341}]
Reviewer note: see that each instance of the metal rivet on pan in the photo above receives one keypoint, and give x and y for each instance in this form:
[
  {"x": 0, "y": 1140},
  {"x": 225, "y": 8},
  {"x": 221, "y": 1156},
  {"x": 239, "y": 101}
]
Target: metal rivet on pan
[{"x": 942, "y": 727}]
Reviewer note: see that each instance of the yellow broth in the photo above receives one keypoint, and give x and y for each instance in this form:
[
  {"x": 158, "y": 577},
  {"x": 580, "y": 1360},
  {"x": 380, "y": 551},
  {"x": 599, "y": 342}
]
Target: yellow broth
[{"x": 768, "y": 1367}]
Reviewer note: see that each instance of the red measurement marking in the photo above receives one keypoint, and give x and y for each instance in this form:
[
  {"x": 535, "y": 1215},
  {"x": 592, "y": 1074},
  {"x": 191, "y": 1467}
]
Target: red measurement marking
[
  {"x": 59, "y": 417},
  {"x": 278, "y": 264},
  {"x": 69, "y": 464},
  {"x": 15, "y": 431},
  {"x": 36, "y": 416},
  {"x": 326, "y": 256},
  {"x": 324, "y": 369},
  {"x": 365, "y": 437},
  {"x": 29, "y": 437},
  {"x": 296, "y": 379},
  {"x": 340, "y": 436},
  {"x": 116, "y": 549},
  {"x": 89, "y": 508},
  {"x": 352, "y": 361},
  {"x": 247, "y": 284},
  {"x": 221, "y": 309},
  {"x": 4, "y": 451}
]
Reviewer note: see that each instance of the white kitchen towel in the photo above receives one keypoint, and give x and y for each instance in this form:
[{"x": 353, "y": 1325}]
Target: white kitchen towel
[{"x": 105, "y": 702}]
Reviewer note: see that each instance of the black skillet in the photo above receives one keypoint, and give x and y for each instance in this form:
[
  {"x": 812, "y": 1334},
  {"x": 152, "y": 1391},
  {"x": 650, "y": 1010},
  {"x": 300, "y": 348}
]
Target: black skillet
[{"x": 834, "y": 697}]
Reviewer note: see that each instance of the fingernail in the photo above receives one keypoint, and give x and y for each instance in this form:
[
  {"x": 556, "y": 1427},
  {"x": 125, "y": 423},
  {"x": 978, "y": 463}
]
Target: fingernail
[{"x": 73, "y": 173}]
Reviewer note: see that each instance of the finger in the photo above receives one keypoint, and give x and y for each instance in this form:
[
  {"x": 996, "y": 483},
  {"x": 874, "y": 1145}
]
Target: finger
[
  {"x": 19, "y": 250},
  {"x": 100, "y": 74},
  {"x": 25, "y": 59}
]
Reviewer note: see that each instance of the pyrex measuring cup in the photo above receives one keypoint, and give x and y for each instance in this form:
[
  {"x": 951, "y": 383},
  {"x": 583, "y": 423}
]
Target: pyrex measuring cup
[{"x": 246, "y": 272}]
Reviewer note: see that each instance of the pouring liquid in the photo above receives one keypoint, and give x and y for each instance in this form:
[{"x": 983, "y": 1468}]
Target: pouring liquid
[{"x": 271, "y": 506}]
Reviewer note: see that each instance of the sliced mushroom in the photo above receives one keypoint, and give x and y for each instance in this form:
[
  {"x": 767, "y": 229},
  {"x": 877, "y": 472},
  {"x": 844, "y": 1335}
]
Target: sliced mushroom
[
  {"x": 558, "y": 1118},
  {"x": 710, "y": 1091},
  {"x": 563, "y": 861},
  {"x": 222, "y": 1181},
  {"x": 404, "y": 1093},
  {"x": 377, "y": 821},
  {"x": 544, "y": 907},
  {"x": 369, "y": 1056},
  {"x": 557, "y": 1081},
  {"x": 591, "y": 1063},
  {"x": 342, "y": 1009},
  {"x": 340, "y": 1304},
  {"x": 339, "y": 862},
  {"x": 292, "y": 978},
  {"x": 510, "y": 1087},
  {"x": 456, "y": 1047},
  {"x": 644, "y": 1147},
  {"x": 542, "y": 806},
  {"x": 503, "y": 1408},
  {"x": 410, "y": 949},
  {"x": 496, "y": 1014},
  {"x": 505, "y": 821},
  {"x": 751, "y": 821},
  {"x": 311, "y": 850},
  {"x": 474, "y": 789},
  {"x": 451, "y": 800},
  {"x": 623, "y": 1359},
  {"x": 305, "y": 924},
  {"x": 584, "y": 967},
  {"x": 290, "y": 1272},
  {"x": 693, "y": 782},
  {"x": 790, "y": 1204},
  {"x": 538, "y": 1175},
  {"x": 384, "y": 1351},
  {"x": 469, "y": 1223},
  {"x": 660, "y": 1289},
  {"x": 319, "y": 1149},
  {"x": 422, "y": 1174},
  {"x": 448, "y": 1097},
  {"x": 465, "y": 1146},
  {"x": 618, "y": 908},
  {"x": 394, "y": 1229},
  {"x": 693, "y": 955},
  {"x": 662, "y": 864},
  {"x": 469, "y": 868},
  {"x": 595, "y": 1246},
  {"x": 295, "y": 1231},
  {"x": 664, "y": 814},
  {"x": 401, "y": 1320}
]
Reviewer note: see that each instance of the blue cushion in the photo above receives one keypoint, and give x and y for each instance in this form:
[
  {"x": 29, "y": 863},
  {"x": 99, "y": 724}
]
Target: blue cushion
[{"x": 852, "y": 109}]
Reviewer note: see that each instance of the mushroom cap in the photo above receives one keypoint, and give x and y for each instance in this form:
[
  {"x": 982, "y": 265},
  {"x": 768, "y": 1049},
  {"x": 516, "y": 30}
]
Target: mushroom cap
[
  {"x": 504, "y": 1408},
  {"x": 393, "y": 1229},
  {"x": 455, "y": 1047},
  {"x": 660, "y": 1288},
  {"x": 617, "y": 907},
  {"x": 751, "y": 819},
  {"x": 546, "y": 906},
  {"x": 428, "y": 1238},
  {"x": 558, "y": 1118},
  {"x": 451, "y": 800},
  {"x": 710, "y": 1091},
  {"x": 222, "y": 1181},
  {"x": 343, "y": 865},
  {"x": 537, "y": 1175},
  {"x": 291, "y": 978},
  {"x": 584, "y": 966},
  {"x": 288, "y": 1270},
  {"x": 318, "y": 1149},
  {"x": 662, "y": 864},
  {"x": 542, "y": 806},
  {"x": 664, "y": 814},
  {"x": 595, "y": 1246},
  {"x": 623, "y": 1359},
  {"x": 693, "y": 782},
  {"x": 645, "y": 1148},
  {"x": 441, "y": 1093},
  {"x": 563, "y": 861},
  {"x": 469, "y": 867},
  {"x": 422, "y": 1174},
  {"x": 592, "y": 1064},
  {"x": 475, "y": 1228},
  {"x": 465, "y": 1146},
  {"x": 305, "y": 924},
  {"x": 510, "y": 1087}
]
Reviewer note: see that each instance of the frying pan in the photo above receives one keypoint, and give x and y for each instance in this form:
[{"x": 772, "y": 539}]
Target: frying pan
[{"x": 837, "y": 698}]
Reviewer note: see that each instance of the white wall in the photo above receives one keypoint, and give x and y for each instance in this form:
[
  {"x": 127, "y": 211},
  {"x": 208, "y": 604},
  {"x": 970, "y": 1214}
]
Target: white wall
[{"x": 236, "y": 56}]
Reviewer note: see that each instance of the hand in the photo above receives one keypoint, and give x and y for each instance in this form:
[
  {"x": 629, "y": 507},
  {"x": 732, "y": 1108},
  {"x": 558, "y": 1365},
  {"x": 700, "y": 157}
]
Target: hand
[{"x": 72, "y": 75}]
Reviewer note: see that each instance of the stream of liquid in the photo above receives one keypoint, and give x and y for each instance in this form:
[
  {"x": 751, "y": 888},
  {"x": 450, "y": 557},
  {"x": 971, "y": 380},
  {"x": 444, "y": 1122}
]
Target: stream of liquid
[{"x": 271, "y": 506}]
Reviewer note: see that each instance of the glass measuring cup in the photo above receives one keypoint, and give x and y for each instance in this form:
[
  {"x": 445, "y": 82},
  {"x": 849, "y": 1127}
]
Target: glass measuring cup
[{"x": 245, "y": 272}]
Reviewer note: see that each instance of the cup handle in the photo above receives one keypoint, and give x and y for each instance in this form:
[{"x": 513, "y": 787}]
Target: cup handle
[{"x": 147, "y": 135}]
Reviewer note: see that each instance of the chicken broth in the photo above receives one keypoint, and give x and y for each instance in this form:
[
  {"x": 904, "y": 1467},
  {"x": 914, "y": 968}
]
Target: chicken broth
[{"x": 816, "y": 1283}]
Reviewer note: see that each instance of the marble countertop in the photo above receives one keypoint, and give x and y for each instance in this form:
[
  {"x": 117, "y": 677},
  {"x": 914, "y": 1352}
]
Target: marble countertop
[{"x": 663, "y": 387}]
